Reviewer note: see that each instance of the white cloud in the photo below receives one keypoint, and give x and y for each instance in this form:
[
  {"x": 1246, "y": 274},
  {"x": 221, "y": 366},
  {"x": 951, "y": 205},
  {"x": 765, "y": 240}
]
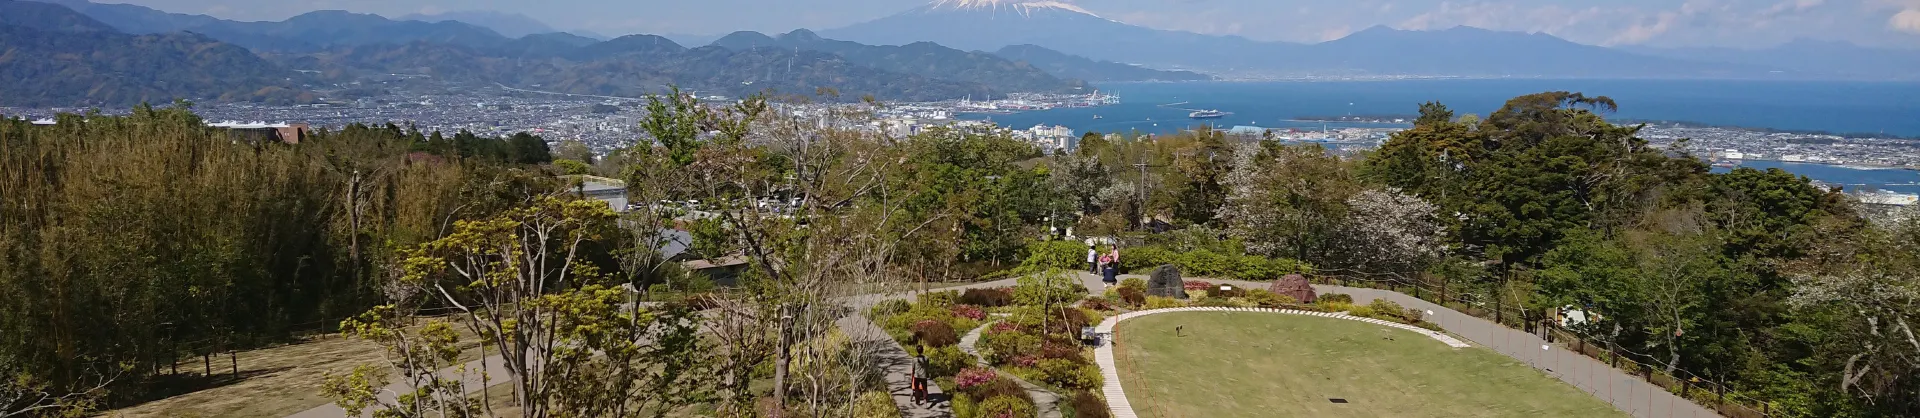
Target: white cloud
[
  {"x": 1906, "y": 21},
  {"x": 1641, "y": 32}
]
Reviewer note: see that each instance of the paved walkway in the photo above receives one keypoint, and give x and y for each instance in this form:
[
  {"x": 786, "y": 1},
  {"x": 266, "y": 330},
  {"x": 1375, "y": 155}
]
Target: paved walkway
[
  {"x": 1045, "y": 401},
  {"x": 897, "y": 367}
]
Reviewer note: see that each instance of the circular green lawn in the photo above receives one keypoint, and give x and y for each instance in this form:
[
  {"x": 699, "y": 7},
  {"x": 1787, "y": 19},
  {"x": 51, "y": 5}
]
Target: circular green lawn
[{"x": 1274, "y": 365}]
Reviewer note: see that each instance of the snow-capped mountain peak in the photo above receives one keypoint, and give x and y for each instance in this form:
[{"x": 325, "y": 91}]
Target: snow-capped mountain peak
[{"x": 1021, "y": 7}]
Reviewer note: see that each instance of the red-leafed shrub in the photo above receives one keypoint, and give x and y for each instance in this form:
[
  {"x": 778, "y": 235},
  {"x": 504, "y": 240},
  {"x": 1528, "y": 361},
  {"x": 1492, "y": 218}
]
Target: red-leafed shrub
[
  {"x": 935, "y": 334},
  {"x": 987, "y": 297},
  {"x": 1198, "y": 285},
  {"x": 969, "y": 378},
  {"x": 998, "y": 386},
  {"x": 969, "y": 311},
  {"x": 1028, "y": 360},
  {"x": 1055, "y": 350},
  {"x": 1000, "y": 327}
]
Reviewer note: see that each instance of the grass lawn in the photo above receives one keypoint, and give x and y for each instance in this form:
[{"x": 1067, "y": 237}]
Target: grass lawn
[
  {"x": 275, "y": 381},
  {"x": 1267, "y": 365}
]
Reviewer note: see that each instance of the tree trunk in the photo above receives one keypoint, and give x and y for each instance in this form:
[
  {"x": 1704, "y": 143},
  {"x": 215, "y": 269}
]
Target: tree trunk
[{"x": 781, "y": 357}]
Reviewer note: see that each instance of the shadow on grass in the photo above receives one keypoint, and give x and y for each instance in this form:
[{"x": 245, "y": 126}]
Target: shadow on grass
[{"x": 165, "y": 385}]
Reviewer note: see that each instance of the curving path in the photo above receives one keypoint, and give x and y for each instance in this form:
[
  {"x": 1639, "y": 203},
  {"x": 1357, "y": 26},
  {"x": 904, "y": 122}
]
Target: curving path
[{"x": 1045, "y": 401}]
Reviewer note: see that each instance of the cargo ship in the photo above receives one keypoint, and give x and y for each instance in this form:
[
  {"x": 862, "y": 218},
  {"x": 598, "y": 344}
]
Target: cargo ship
[{"x": 1207, "y": 114}]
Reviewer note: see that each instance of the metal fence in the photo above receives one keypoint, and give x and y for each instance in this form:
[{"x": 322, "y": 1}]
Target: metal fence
[{"x": 1640, "y": 389}]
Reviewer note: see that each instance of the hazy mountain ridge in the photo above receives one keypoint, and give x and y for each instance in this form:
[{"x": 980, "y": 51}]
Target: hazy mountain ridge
[
  {"x": 1807, "y": 56},
  {"x": 920, "y": 58},
  {"x": 511, "y": 25},
  {"x": 1067, "y": 30},
  {"x": 64, "y": 58},
  {"x": 1468, "y": 51},
  {"x": 341, "y": 46},
  {"x": 637, "y": 65},
  {"x": 1070, "y": 66},
  {"x": 1379, "y": 51}
]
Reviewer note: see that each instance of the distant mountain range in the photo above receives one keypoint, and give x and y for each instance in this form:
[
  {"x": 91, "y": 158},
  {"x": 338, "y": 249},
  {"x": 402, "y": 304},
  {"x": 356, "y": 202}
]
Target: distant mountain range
[
  {"x": 53, "y": 56},
  {"x": 511, "y": 25},
  {"x": 991, "y": 25},
  {"x": 336, "y": 47},
  {"x": 1460, "y": 51},
  {"x": 1809, "y": 57},
  {"x": 66, "y": 52}
]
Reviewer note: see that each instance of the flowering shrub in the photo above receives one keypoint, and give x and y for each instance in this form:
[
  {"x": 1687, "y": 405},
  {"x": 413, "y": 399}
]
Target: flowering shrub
[
  {"x": 969, "y": 378},
  {"x": 969, "y": 312},
  {"x": 998, "y": 386},
  {"x": 1027, "y": 360},
  {"x": 1193, "y": 285},
  {"x": 1058, "y": 351},
  {"x": 1000, "y": 327},
  {"x": 1002, "y": 347}
]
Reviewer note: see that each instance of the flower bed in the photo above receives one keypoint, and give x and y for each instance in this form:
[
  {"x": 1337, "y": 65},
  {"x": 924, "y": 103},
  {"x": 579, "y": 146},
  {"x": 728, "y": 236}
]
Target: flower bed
[
  {"x": 931, "y": 326},
  {"x": 1043, "y": 347}
]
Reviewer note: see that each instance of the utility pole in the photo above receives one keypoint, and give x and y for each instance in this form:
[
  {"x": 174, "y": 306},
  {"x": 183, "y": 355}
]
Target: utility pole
[{"x": 1140, "y": 188}]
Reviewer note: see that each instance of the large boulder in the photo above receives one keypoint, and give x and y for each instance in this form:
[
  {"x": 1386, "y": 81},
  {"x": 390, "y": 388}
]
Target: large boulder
[
  {"x": 1165, "y": 282},
  {"x": 1294, "y": 286}
]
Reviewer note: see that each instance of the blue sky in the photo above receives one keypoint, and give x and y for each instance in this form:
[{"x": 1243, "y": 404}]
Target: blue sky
[{"x": 1737, "y": 23}]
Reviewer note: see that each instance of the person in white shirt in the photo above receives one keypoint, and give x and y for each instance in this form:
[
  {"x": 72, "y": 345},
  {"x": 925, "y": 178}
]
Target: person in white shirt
[{"x": 1093, "y": 259}]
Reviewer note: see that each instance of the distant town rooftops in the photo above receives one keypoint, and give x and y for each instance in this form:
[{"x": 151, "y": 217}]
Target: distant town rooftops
[{"x": 250, "y": 125}]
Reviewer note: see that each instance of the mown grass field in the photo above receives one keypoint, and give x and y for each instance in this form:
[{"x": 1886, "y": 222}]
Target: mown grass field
[{"x": 1268, "y": 365}]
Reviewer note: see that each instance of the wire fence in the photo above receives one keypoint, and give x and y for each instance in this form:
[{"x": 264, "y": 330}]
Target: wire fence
[
  {"x": 1129, "y": 371},
  {"x": 1581, "y": 360}
]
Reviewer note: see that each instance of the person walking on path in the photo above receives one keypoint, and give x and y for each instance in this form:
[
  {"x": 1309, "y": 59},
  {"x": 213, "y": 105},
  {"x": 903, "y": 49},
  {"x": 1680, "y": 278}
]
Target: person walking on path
[
  {"x": 920, "y": 376},
  {"x": 1093, "y": 258}
]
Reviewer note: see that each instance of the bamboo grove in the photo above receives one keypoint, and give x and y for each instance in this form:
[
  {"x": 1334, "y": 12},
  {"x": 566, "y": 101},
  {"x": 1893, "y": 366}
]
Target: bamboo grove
[{"x": 131, "y": 241}]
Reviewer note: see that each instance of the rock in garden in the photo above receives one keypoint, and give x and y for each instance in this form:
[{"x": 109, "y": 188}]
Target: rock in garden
[
  {"x": 1295, "y": 286},
  {"x": 1165, "y": 282}
]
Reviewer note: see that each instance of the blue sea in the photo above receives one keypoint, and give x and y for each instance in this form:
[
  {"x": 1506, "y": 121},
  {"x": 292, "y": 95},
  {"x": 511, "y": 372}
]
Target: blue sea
[
  {"x": 1892, "y": 108},
  {"x": 1851, "y": 178}
]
